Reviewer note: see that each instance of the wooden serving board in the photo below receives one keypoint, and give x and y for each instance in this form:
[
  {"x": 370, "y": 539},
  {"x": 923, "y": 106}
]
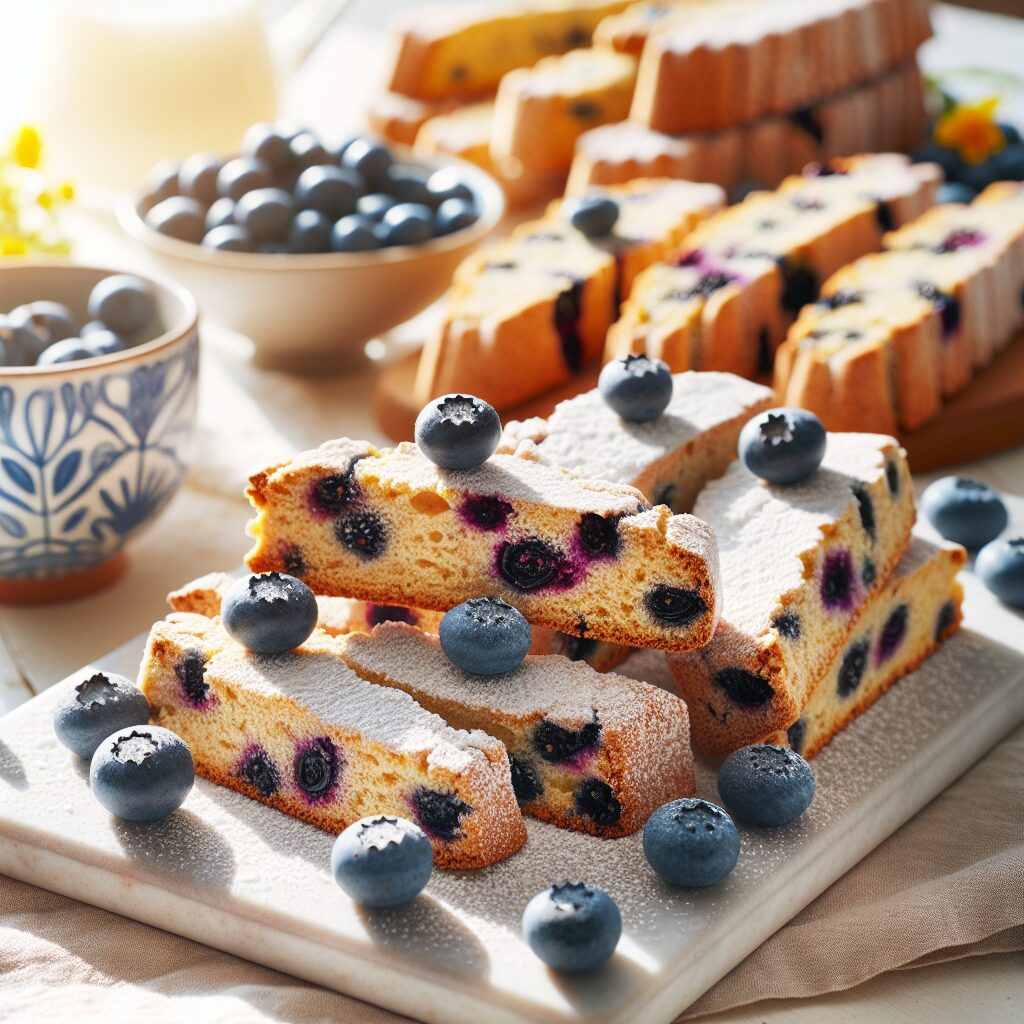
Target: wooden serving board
[
  {"x": 243, "y": 878},
  {"x": 986, "y": 418}
]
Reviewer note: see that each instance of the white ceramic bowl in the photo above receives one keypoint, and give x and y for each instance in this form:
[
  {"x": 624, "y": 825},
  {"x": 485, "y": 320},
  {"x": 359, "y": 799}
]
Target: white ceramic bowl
[
  {"x": 90, "y": 452},
  {"x": 315, "y": 312}
]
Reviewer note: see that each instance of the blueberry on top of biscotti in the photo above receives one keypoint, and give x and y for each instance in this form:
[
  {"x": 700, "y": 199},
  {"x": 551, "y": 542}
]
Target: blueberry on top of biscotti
[
  {"x": 595, "y": 752},
  {"x": 576, "y": 555}
]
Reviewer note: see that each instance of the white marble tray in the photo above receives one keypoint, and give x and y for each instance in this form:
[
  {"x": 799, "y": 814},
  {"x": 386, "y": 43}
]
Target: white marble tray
[{"x": 248, "y": 880}]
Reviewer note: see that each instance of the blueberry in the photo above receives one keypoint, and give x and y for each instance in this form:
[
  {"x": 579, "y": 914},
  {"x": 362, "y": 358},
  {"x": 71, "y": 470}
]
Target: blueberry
[
  {"x": 691, "y": 842},
  {"x": 572, "y": 927},
  {"x": 354, "y": 233},
  {"x": 333, "y": 191},
  {"x": 70, "y": 350},
  {"x": 674, "y": 606},
  {"x": 308, "y": 151},
  {"x": 526, "y": 783},
  {"x": 743, "y": 688},
  {"x": 963, "y": 510},
  {"x": 178, "y": 217},
  {"x": 485, "y": 511},
  {"x": 310, "y": 232},
  {"x": 141, "y": 773},
  {"x": 1000, "y": 566},
  {"x": 447, "y": 183},
  {"x": 866, "y": 507},
  {"x": 269, "y": 613},
  {"x": 220, "y": 214},
  {"x": 371, "y": 159},
  {"x": 375, "y": 205},
  {"x": 229, "y": 238},
  {"x": 48, "y": 321},
  {"x": 362, "y": 533},
  {"x": 1011, "y": 133},
  {"x": 788, "y": 625},
  {"x": 22, "y": 346},
  {"x": 599, "y": 535},
  {"x": 269, "y": 144},
  {"x": 104, "y": 342},
  {"x": 485, "y": 636},
  {"x": 851, "y": 668},
  {"x": 955, "y": 192},
  {"x": 266, "y": 213},
  {"x": 190, "y": 671},
  {"x": 1009, "y": 163},
  {"x": 454, "y": 215},
  {"x": 241, "y": 175},
  {"x": 637, "y": 388},
  {"x": 439, "y": 814},
  {"x": 317, "y": 766},
  {"x": 595, "y": 216},
  {"x": 783, "y": 446},
  {"x": 97, "y": 705},
  {"x": 382, "y": 861},
  {"x": 595, "y": 799},
  {"x": 529, "y": 564},
  {"x": 162, "y": 181},
  {"x": 457, "y": 431},
  {"x": 197, "y": 178},
  {"x": 124, "y": 303},
  {"x": 258, "y": 769},
  {"x": 766, "y": 785},
  {"x": 409, "y": 224},
  {"x": 947, "y": 159},
  {"x": 408, "y": 185},
  {"x": 837, "y": 580}
]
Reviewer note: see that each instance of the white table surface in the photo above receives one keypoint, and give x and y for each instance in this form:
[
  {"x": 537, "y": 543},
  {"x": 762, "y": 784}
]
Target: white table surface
[{"x": 248, "y": 417}]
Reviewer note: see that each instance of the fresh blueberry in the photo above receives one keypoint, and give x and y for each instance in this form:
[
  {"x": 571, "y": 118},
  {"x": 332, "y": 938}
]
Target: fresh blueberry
[
  {"x": 595, "y": 216},
  {"x": 382, "y": 861},
  {"x": 267, "y": 143},
  {"x": 22, "y": 346},
  {"x": 141, "y": 773},
  {"x": 530, "y": 564},
  {"x": 370, "y": 159},
  {"x": 1009, "y": 163},
  {"x": 447, "y": 183},
  {"x": 947, "y": 159},
  {"x": 229, "y": 238},
  {"x": 439, "y": 814},
  {"x": 266, "y": 213},
  {"x": 955, "y": 192},
  {"x": 198, "y": 177},
  {"x": 162, "y": 181},
  {"x": 559, "y": 745},
  {"x": 49, "y": 321},
  {"x": 70, "y": 350},
  {"x": 596, "y": 800},
  {"x": 637, "y": 388},
  {"x": 375, "y": 205},
  {"x": 269, "y": 613},
  {"x": 364, "y": 533},
  {"x": 454, "y": 215},
  {"x": 691, "y": 842},
  {"x": 1000, "y": 566},
  {"x": 407, "y": 184},
  {"x": 457, "y": 431},
  {"x": 783, "y": 446},
  {"x": 333, "y": 191},
  {"x": 309, "y": 151},
  {"x": 485, "y": 636},
  {"x": 674, "y": 606},
  {"x": 409, "y": 223},
  {"x": 178, "y": 217},
  {"x": 317, "y": 765},
  {"x": 766, "y": 785},
  {"x": 310, "y": 232},
  {"x": 963, "y": 510},
  {"x": 354, "y": 233},
  {"x": 978, "y": 176},
  {"x": 97, "y": 705},
  {"x": 241, "y": 175},
  {"x": 104, "y": 342},
  {"x": 1011, "y": 133},
  {"x": 220, "y": 214},
  {"x": 572, "y": 927},
  {"x": 123, "y": 302}
]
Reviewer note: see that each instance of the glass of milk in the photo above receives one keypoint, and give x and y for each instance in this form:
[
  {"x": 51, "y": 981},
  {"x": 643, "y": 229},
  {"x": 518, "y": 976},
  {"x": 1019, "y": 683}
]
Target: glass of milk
[{"x": 120, "y": 85}]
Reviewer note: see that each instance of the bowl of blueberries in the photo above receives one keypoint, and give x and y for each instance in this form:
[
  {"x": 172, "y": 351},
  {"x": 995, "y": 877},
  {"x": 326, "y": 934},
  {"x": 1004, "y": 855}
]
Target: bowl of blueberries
[
  {"x": 312, "y": 250},
  {"x": 98, "y": 375}
]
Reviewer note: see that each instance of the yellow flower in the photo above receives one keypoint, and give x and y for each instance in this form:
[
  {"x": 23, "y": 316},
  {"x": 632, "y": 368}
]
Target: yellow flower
[
  {"x": 66, "y": 191},
  {"x": 45, "y": 200},
  {"x": 27, "y": 147},
  {"x": 971, "y": 129},
  {"x": 11, "y": 245}
]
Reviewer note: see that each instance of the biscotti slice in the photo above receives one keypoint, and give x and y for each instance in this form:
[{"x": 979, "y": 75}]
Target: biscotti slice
[
  {"x": 906, "y": 622},
  {"x": 592, "y": 752},
  {"x": 669, "y": 459},
  {"x": 583, "y": 557},
  {"x": 798, "y": 563},
  {"x": 465, "y": 50},
  {"x": 303, "y": 733},
  {"x": 539, "y": 112}
]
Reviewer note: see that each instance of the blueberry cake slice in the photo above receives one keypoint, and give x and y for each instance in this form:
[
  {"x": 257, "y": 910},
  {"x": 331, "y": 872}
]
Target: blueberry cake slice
[
  {"x": 582, "y": 557},
  {"x": 591, "y": 752},
  {"x": 303, "y": 733},
  {"x": 669, "y": 459},
  {"x": 540, "y": 111},
  {"x": 798, "y": 563},
  {"x": 526, "y": 314},
  {"x": 398, "y": 118},
  {"x": 906, "y": 622}
]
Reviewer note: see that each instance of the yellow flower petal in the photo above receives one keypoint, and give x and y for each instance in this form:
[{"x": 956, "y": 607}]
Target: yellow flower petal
[
  {"x": 971, "y": 130},
  {"x": 66, "y": 191},
  {"x": 27, "y": 147},
  {"x": 11, "y": 245}
]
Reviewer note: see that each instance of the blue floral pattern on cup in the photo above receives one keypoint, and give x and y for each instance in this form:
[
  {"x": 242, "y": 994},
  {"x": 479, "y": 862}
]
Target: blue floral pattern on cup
[{"x": 85, "y": 462}]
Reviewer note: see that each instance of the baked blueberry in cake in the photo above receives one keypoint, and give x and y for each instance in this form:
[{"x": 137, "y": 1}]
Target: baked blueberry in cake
[
  {"x": 590, "y": 751},
  {"x": 586, "y": 558},
  {"x": 303, "y": 733},
  {"x": 798, "y": 563},
  {"x": 910, "y": 617}
]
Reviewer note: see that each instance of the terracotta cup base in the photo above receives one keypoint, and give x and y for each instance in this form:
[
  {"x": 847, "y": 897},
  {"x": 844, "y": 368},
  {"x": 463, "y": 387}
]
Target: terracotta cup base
[{"x": 64, "y": 588}]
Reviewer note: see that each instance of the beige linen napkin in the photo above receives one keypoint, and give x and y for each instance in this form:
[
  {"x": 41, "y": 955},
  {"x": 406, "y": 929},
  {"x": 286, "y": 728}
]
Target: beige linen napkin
[{"x": 949, "y": 884}]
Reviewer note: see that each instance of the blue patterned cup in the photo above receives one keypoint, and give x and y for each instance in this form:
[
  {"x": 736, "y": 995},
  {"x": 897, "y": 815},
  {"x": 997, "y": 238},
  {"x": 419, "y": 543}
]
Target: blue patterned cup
[{"x": 90, "y": 452}]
